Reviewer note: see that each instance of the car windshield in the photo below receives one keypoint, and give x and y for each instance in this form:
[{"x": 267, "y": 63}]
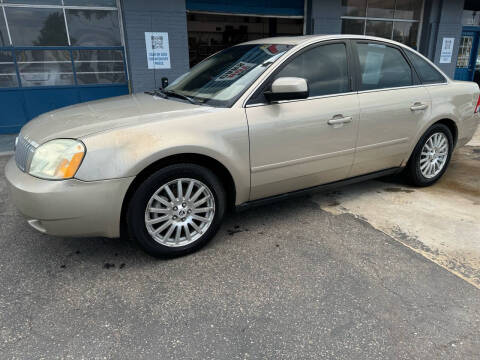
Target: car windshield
[{"x": 220, "y": 79}]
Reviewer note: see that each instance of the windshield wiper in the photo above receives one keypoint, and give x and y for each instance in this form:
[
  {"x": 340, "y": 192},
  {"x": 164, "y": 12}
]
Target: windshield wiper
[
  {"x": 157, "y": 92},
  {"x": 164, "y": 95},
  {"x": 181, "y": 96}
]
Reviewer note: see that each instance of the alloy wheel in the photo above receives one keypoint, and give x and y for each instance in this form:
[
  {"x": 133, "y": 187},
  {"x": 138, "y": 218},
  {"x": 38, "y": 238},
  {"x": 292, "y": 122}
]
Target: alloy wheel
[
  {"x": 180, "y": 212},
  {"x": 434, "y": 155}
]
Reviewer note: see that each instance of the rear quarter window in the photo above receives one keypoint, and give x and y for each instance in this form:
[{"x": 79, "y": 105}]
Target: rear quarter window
[{"x": 427, "y": 73}]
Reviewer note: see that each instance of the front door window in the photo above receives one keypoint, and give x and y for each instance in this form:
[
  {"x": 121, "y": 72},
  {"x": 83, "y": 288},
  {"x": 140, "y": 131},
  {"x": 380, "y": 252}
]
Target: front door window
[{"x": 324, "y": 67}]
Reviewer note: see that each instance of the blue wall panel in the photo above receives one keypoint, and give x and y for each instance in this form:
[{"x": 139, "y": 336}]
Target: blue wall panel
[
  {"x": 100, "y": 92},
  {"x": 12, "y": 111},
  {"x": 259, "y": 7},
  {"x": 39, "y": 101},
  {"x": 18, "y": 106}
]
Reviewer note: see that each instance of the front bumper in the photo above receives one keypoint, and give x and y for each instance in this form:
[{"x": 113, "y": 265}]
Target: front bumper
[{"x": 68, "y": 207}]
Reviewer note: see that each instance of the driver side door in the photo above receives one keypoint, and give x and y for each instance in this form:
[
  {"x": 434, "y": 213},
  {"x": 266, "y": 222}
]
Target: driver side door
[{"x": 296, "y": 144}]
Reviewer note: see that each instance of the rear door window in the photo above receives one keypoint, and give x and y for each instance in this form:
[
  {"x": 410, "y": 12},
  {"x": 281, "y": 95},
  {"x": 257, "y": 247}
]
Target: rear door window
[
  {"x": 382, "y": 66},
  {"x": 427, "y": 73}
]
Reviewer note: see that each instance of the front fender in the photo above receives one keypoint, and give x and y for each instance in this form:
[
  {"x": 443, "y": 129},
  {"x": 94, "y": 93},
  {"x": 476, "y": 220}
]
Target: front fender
[{"x": 125, "y": 152}]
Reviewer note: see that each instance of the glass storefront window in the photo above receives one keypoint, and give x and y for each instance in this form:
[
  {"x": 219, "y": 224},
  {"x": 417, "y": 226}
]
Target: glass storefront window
[
  {"x": 379, "y": 28},
  {"x": 8, "y": 75},
  {"x": 36, "y": 26},
  {"x": 99, "y": 3},
  {"x": 45, "y": 67},
  {"x": 471, "y": 18},
  {"x": 354, "y": 7},
  {"x": 99, "y": 66},
  {"x": 353, "y": 26},
  {"x": 381, "y": 8},
  {"x": 408, "y": 9},
  {"x": 406, "y": 33},
  {"x": 60, "y": 23},
  {"x": 93, "y": 27},
  {"x": 34, "y": 2},
  {"x": 392, "y": 19}
]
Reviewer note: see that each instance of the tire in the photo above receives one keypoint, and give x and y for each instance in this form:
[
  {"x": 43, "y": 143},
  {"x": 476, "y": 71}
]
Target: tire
[
  {"x": 157, "y": 230},
  {"x": 438, "y": 136}
]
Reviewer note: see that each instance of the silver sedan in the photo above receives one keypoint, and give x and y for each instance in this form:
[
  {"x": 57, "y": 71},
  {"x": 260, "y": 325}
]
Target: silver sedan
[{"x": 256, "y": 122}]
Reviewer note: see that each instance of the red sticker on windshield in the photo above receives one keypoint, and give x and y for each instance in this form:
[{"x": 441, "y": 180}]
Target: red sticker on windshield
[
  {"x": 270, "y": 49},
  {"x": 235, "y": 71}
]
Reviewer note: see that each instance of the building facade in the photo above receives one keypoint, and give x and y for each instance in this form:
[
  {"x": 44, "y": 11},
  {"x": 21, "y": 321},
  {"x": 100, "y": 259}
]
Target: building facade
[{"x": 55, "y": 53}]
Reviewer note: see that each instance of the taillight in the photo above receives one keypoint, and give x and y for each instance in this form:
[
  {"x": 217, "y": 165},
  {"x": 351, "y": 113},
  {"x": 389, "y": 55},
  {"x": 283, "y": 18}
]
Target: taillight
[{"x": 477, "y": 107}]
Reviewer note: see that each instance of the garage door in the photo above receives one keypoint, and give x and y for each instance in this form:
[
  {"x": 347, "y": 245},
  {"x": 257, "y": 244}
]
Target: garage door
[{"x": 56, "y": 53}]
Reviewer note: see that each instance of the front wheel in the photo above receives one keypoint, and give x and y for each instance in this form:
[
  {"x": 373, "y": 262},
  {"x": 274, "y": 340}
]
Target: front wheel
[
  {"x": 176, "y": 210},
  {"x": 431, "y": 156}
]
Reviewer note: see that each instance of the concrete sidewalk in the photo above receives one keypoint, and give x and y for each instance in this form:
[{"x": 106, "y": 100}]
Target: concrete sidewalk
[{"x": 440, "y": 222}]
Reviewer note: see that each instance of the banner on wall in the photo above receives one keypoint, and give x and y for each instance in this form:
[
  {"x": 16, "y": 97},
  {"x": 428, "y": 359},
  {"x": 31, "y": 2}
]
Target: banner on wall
[{"x": 158, "y": 50}]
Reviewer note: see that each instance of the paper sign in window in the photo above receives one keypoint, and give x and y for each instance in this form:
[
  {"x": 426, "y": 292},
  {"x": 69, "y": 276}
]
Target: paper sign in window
[
  {"x": 373, "y": 67},
  {"x": 236, "y": 71}
]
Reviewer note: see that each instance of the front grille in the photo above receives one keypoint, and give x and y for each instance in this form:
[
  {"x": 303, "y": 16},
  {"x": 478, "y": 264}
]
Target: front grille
[{"x": 24, "y": 153}]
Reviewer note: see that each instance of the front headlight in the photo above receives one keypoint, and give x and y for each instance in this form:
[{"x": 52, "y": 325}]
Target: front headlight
[{"x": 57, "y": 159}]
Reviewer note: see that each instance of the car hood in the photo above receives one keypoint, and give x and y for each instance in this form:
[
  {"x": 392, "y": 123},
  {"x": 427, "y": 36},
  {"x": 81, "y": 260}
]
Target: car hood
[{"x": 89, "y": 118}]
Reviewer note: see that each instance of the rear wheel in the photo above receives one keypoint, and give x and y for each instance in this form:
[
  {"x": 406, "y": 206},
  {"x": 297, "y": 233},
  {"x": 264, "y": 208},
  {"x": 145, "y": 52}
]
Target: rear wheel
[
  {"x": 176, "y": 210},
  {"x": 431, "y": 156}
]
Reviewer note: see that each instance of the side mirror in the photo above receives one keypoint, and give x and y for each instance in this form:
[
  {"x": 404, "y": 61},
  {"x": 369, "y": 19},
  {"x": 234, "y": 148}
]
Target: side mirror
[{"x": 288, "y": 88}]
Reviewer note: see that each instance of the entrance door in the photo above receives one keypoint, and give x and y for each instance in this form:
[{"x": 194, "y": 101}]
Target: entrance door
[
  {"x": 467, "y": 56},
  {"x": 210, "y": 33}
]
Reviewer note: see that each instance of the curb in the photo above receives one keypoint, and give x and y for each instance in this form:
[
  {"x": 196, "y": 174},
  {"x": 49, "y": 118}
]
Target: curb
[{"x": 6, "y": 153}]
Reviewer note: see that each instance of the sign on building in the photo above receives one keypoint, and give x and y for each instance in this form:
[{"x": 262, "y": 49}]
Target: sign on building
[
  {"x": 447, "y": 51},
  {"x": 158, "y": 50}
]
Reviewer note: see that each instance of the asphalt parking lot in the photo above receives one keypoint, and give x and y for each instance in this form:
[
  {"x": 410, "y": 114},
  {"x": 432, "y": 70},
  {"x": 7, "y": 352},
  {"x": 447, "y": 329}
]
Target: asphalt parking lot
[{"x": 285, "y": 281}]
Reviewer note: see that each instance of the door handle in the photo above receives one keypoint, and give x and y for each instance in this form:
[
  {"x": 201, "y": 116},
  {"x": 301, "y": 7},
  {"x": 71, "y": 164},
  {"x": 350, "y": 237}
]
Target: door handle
[
  {"x": 339, "y": 120},
  {"x": 418, "y": 106}
]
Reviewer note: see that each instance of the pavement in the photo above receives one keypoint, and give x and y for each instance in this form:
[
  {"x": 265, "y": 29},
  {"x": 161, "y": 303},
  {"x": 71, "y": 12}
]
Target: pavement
[
  {"x": 285, "y": 281},
  {"x": 7, "y": 143},
  {"x": 442, "y": 222}
]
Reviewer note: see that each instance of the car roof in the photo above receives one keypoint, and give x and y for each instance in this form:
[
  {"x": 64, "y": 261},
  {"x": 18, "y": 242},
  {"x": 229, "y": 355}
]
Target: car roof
[{"x": 298, "y": 40}]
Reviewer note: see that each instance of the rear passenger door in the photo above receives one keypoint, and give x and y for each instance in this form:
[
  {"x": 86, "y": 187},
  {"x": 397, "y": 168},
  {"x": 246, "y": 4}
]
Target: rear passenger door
[{"x": 392, "y": 104}]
